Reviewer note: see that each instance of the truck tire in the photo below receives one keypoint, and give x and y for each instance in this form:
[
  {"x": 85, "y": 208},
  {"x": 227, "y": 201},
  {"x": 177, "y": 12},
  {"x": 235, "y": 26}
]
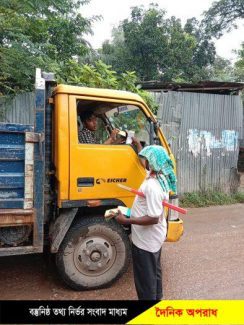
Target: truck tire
[{"x": 93, "y": 254}]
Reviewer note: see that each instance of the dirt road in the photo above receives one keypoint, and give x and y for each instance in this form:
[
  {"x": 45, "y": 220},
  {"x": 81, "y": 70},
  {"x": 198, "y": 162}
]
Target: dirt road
[{"x": 208, "y": 263}]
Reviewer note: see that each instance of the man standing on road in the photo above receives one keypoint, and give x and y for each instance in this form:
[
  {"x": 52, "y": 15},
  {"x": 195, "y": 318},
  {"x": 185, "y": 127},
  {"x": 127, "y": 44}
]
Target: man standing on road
[{"x": 148, "y": 223}]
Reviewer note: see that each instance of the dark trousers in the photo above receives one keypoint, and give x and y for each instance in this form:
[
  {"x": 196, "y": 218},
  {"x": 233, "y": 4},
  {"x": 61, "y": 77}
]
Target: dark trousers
[{"x": 147, "y": 274}]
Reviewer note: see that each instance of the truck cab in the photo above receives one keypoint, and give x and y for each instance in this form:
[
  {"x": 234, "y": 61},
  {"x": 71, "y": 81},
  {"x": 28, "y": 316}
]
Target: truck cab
[{"x": 92, "y": 171}]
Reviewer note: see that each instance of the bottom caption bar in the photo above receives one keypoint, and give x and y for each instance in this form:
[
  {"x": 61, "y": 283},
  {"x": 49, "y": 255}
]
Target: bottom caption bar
[{"x": 71, "y": 312}]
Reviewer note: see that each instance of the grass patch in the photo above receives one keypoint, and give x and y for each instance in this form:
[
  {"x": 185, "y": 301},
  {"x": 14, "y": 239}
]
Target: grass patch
[{"x": 205, "y": 199}]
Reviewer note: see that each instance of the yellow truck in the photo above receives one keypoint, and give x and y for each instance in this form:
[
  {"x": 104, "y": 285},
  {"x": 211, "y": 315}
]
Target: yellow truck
[{"x": 54, "y": 190}]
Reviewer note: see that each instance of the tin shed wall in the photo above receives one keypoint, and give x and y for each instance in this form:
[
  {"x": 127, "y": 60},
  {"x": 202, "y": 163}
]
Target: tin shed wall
[
  {"x": 19, "y": 109},
  {"x": 242, "y": 140},
  {"x": 204, "y": 131}
]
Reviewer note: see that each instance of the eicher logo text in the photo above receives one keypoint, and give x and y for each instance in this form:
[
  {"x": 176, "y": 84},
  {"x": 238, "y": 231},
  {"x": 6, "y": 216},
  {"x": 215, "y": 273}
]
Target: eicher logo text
[
  {"x": 111, "y": 180},
  {"x": 116, "y": 180}
]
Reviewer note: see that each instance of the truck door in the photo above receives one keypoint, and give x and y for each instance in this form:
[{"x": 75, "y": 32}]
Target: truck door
[{"x": 96, "y": 169}]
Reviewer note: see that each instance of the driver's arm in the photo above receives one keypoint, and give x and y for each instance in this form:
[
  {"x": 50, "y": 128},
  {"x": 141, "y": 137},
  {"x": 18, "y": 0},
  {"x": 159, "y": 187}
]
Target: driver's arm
[
  {"x": 137, "y": 143},
  {"x": 112, "y": 137}
]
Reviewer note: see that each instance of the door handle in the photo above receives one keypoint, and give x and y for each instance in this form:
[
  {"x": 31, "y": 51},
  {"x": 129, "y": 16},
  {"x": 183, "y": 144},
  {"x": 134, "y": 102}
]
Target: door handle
[{"x": 85, "y": 181}]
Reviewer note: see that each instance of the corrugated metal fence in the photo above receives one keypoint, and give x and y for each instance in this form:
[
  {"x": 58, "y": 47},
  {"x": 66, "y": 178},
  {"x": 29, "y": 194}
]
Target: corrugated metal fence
[
  {"x": 19, "y": 109},
  {"x": 204, "y": 132}
]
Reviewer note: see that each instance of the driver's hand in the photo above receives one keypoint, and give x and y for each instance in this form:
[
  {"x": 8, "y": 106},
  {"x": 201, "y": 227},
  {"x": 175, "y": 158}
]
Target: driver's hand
[
  {"x": 137, "y": 143},
  {"x": 113, "y": 134},
  {"x": 112, "y": 137}
]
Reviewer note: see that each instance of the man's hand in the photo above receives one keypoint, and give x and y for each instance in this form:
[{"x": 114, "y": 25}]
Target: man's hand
[
  {"x": 143, "y": 221},
  {"x": 113, "y": 134},
  {"x": 135, "y": 141},
  {"x": 112, "y": 137},
  {"x": 120, "y": 218}
]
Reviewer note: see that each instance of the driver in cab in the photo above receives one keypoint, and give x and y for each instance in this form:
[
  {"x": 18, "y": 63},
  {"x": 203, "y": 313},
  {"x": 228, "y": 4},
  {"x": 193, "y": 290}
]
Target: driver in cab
[{"x": 87, "y": 134}]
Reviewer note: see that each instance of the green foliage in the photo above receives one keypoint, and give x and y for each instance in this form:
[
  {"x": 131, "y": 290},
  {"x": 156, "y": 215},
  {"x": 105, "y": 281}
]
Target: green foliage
[
  {"x": 204, "y": 199},
  {"x": 239, "y": 65},
  {"x": 221, "y": 70},
  {"x": 158, "y": 48},
  {"x": 239, "y": 197},
  {"x": 17, "y": 69},
  {"x": 101, "y": 75},
  {"x": 204, "y": 54},
  {"x": 145, "y": 40},
  {"x": 50, "y": 34},
  {"x": 115, "y": 53},
  {"x": 38, "y": 34},
  {"x": 222, "y": 16}
]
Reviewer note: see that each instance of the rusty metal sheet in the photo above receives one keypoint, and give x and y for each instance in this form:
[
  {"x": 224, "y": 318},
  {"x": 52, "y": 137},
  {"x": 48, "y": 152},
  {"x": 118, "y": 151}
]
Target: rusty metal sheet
[
  {"x": 8, "y": 251},
  {"x": 15, "y": 212},
  {"x": 17, "y": 217}
]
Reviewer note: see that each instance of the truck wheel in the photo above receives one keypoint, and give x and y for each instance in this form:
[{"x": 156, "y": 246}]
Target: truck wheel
[{"x": 93, "y": 254}]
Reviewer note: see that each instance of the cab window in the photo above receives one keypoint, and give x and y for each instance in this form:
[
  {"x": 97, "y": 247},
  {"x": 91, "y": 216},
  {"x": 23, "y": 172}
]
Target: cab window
[
  {"x": 111, "y": 116},
  {"x": 131, "y": 118}
]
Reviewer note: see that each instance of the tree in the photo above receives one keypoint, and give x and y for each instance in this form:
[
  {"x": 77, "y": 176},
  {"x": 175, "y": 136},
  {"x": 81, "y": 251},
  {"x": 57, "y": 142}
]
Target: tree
[
  {"x": 222, "y": 16},
  {"x": 115, "y": 53},
  {"x": 38, "y": 33},
  {"x": 204, "y": 52},
  {"x": 145, "y": 40},
  {"x": 221, "y": 70},
  {"x": 159, "y": 48},
  {"x": 239, "y": 65}
]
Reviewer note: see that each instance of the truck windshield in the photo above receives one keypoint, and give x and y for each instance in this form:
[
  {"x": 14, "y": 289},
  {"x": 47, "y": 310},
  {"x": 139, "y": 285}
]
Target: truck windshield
[{"x": 130, "y": 118}]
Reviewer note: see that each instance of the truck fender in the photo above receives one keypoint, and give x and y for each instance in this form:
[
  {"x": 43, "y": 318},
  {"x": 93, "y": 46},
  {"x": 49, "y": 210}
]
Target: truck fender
[{"x": 60, "y": 228}]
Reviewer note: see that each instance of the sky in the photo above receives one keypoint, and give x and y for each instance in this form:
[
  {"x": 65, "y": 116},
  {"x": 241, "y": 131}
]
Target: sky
[{"x": 114, "y": 11}]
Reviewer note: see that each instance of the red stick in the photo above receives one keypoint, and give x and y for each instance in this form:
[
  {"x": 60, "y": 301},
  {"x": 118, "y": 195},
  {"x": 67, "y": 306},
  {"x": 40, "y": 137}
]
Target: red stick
[{"x": 165, "y": 203}]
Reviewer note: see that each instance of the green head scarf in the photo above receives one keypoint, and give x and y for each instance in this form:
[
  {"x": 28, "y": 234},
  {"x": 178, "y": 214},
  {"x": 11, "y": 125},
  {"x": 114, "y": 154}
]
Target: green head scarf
[{"x": 162, "y": 165}]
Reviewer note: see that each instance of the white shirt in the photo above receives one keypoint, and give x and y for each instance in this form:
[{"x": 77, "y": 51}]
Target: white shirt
[{"x": 151, "y": 237}]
